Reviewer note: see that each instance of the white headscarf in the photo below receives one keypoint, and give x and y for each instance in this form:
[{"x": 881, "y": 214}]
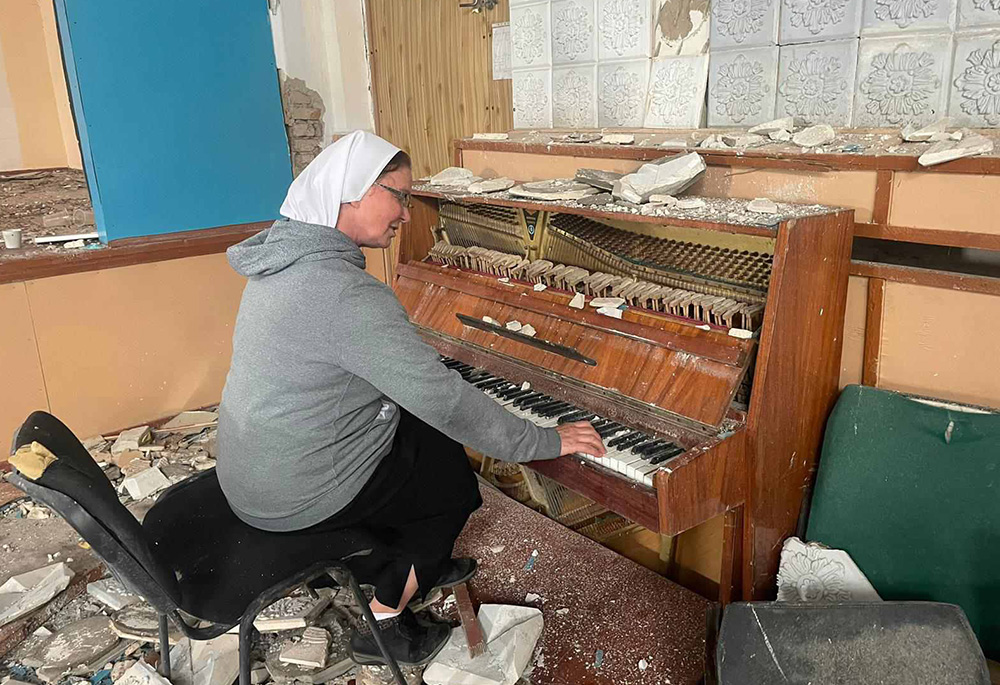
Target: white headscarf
[{"x": 343, "y": 172}]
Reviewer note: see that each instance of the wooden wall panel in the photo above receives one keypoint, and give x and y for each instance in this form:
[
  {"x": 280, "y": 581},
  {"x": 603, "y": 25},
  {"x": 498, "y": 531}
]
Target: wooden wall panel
[
  {"x": 852, "y": 358},
  {"x": 432, "y": 77},
  {"x": 946, "y": 202},
  {"x": 124, "y": 346},
  {"x": 941, "y": 343},
  {"x": 23, "y": 382}
]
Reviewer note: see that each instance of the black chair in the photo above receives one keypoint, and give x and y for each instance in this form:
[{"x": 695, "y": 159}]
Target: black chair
[{"x": 191, "y": 558}]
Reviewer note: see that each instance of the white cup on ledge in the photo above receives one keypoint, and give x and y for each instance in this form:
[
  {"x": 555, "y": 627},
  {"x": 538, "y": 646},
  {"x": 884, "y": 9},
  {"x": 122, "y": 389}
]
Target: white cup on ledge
[{"x": 12, "y": 238}]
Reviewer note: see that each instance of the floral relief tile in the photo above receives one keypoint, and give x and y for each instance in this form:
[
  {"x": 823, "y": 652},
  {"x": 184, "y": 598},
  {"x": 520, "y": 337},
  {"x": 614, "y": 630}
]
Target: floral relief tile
[
  {"x": 816, "y": 81},
  {"x": 744, "y": 23},
  {"x": 621, "y": 92},
  {"x": 574, "y": 31},
  {"x": 624, "y": 29},
  {"x": 975, "y": 81},
  {"x": 805, "y": 21},
  {"x": 902, "y": 80},
  {"x": 532, "y": 89},
  {"x": 895, "y": 16},
  {"x": 741, "y": 86},
  {"x": 530, "y": 41},
  {"x": 676, "y": 94},
  {"x": 975, "y": 13},
  {"x": 574, "y": 96}
]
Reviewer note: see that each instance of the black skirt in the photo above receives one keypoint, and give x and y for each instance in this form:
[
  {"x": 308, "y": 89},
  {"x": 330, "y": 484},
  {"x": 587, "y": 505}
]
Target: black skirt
[{"x": 415, "y": 505}]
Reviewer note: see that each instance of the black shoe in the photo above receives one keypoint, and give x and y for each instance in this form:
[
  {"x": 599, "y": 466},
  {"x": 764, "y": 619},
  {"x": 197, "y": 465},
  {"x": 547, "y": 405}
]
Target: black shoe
[
  {"x": 410, "y": 641},
  {"x": 459, "y": 571}
]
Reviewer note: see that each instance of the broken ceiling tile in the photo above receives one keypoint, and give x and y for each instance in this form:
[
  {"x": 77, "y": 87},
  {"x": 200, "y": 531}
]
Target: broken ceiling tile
[
  {"x": 744, "y": 23},
  {"x": 530, "y": 41},
  {"x": 574, "y": 31},
  {"x": 23, "y": 593},
  {"x": 978, "y": 13},
  {"x": 491, "y": 185},
  {"x": 814, "y": 136},
  {"x": 970, "y": 145},
  {"x": 556, "y": 189},
  {"x": 902, "y": 80},
  {"x": 145, "y": 483},
  {"x": 621, "y": 92},
  {"x": 131, "y": 439},
  {"x": 574, "y": 96},
  {"x": 204, "y": 662},
  {"x": 816, "y": 81},
  {"x": 78, "y": 643},
  {"x": 141, "y": 673},
  {"x": 676, "y": 97},
  {"x": 309, "y": 650},
  {"x": 895, "y": 16},
  {"x": 532, "y": 98},
  {"x": 975, "y": 83},
  {"x": 811, "y": 572},
  {"x": 624, "y": 29},
  {"x": 741, "y": 86},
  {"x": 141, "y": 622},
  {"x": 805, "y": 21},
  {"x": 190, "y": 422},
  {"x": 111, "y": 593},
  {"x": 289, "y": 613},
  {"x": 681, "y": 28}
]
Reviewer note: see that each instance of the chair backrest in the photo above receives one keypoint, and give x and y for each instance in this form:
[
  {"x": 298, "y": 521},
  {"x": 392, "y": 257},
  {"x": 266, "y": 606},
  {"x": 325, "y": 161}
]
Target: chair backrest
[
  {"x": 912, "y": 492},
  {"x": 76, "y": 487}
]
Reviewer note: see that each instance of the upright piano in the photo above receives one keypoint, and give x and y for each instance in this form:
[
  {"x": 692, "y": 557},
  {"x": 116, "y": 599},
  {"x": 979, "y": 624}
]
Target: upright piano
[{"x": 710, "y": 384}]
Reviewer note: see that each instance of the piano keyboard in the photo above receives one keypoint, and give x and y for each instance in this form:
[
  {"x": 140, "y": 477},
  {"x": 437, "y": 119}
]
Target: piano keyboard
[{"x": 631, "y": 453}]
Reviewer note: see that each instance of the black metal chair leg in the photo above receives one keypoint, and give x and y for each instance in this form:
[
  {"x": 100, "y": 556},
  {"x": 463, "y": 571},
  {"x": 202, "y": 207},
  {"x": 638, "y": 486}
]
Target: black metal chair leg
[
  {"x": 164, "y": 647},
  {"x": 246, "y": 644},
  {"x": 376, "y": 633}
]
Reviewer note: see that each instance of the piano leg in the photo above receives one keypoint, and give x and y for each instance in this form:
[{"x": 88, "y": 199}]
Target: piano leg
[{"x": 731, "y": 579}]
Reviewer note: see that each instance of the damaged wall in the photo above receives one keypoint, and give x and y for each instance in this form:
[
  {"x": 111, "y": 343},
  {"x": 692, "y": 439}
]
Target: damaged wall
[
  {"x": 323, "y": 44},
  {"x": 36, "y": 124},
  {"x": 303, "y": 121}
]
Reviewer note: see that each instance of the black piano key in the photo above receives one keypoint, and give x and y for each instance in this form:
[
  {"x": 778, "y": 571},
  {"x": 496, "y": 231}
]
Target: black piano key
[
  {"x": 627, "y": 444},
  {"x": 490, "y": 383},
  {"x": 600, "y": 422},
  {"x": 644, "y": 449},
  {"x": 478, "y": 376},
  {"x": 669, "y": 454},
  {"x": 452, "y": 363},
  {"x": 557, "y": 410},
  {"x": 622, "y": 438},
  {"x": 610, "y": 429},
  {"x": 527, "y": 398},
  {"x": 514, "y": 387},
  {"x": 517, "y": 393},
  {"x": 534, "y": 401},
  {"x": 576, "y": 417},
  {"x": 542, "y": 406}
]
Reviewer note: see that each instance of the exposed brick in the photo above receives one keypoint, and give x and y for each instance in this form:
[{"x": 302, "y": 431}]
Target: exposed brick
[
  {"x": 304, "y": 113},
  {"x": 305, "y": 144}
]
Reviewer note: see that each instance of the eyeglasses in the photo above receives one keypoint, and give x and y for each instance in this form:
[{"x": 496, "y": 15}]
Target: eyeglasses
[{"x": 401, "y": 195}]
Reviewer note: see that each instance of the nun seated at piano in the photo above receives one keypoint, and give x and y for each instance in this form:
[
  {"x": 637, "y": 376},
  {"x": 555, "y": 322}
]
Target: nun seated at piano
[{"x": 336, "y": 414}]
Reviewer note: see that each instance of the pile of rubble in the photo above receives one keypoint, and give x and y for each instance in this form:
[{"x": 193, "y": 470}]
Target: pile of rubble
[{"x": 109, "y": 636}]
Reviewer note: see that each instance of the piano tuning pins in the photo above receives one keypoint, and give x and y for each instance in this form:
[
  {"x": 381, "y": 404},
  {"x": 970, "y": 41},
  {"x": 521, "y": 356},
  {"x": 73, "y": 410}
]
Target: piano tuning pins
[{"x": 712, "y": 309}]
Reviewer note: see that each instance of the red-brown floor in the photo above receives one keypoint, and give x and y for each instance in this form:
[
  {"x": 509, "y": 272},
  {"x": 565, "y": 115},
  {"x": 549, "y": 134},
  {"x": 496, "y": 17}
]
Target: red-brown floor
[{"x": 615, "y": 605}]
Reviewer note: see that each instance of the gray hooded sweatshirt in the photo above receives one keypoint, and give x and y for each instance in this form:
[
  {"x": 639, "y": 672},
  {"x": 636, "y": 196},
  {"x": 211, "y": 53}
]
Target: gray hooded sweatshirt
[{"x": 323, "y": 356}]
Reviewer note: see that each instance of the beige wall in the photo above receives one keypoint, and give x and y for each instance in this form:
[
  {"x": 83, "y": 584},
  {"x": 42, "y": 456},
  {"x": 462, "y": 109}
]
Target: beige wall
[
  {"x": 105, "y": 350},
  {"x": 34, "y": 101}
]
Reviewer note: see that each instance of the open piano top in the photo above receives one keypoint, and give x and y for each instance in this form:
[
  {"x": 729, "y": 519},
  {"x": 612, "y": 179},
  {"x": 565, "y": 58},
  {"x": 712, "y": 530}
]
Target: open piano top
[{"x": 671, "y": 383}]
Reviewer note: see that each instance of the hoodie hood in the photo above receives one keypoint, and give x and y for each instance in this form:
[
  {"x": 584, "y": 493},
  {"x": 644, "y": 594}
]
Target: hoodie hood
[{"x": 288, "y": 241}]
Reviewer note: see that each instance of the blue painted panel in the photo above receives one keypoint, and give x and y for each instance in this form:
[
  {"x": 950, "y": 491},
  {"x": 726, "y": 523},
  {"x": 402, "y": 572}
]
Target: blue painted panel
[{"x": 179, "y": 112}]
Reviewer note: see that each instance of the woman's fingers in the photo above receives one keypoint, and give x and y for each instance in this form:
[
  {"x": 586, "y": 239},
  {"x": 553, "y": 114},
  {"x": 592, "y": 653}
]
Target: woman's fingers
[{"x": 580, "y": 437}]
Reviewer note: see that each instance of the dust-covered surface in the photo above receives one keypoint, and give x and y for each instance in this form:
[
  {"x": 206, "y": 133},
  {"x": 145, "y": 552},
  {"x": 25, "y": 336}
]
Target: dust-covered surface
[
  {"x": 45, "y": 203},
  {"x": 861, "y": 142},
  {"x": 716, "y": 210},
  {"x": 890, "y": 643},
  {"x": 598, "y": 607}
]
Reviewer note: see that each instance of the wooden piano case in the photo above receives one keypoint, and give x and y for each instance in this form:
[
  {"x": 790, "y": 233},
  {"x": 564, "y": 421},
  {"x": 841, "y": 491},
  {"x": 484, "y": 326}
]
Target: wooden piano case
[{"x": 749, "y": 458}]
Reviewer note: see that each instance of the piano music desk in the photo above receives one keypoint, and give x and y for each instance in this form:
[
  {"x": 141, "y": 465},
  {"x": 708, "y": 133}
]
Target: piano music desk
[{"x": 615, "y": 605}]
